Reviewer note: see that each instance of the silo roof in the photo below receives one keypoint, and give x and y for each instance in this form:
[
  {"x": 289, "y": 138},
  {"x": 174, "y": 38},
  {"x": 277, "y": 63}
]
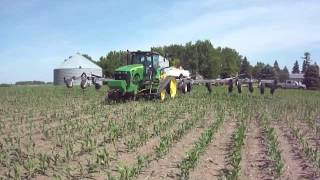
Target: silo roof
[{"x": 78, "y": 61}]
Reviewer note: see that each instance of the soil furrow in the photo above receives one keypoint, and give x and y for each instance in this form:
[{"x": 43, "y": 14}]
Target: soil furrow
[
  {"x": 255, "y": 163},
  {"x": 167, "y": 167},
  {"x": 309, "y": 134},
  {"x": 213, "y": 161},
  {"x": 296, "y": 165}
]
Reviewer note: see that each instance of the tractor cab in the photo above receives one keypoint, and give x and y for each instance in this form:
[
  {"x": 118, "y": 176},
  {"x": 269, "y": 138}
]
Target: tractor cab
[{"x": 151, "y": 61}]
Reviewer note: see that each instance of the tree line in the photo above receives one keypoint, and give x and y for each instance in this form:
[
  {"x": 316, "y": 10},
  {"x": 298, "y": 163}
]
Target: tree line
[
  {"x": 310, "y": 71},
  {"x": 211, "y": 62}
]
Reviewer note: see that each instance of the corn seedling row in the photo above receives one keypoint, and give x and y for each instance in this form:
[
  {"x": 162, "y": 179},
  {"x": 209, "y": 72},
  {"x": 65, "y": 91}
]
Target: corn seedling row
[{"x": 193, "y": 155}]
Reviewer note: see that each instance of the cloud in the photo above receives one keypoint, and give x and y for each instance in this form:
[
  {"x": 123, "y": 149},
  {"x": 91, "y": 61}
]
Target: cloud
[
  {"x": 258, "y": 29},
  {"x": 261, "y": 30},
  {"x": 281, "y": 28}
]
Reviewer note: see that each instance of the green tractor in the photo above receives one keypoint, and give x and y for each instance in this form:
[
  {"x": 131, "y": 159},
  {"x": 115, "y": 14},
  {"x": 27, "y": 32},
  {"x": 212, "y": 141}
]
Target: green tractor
[
  {"x": 143, "y": 76},
  {"x": 147, "y": 74}
]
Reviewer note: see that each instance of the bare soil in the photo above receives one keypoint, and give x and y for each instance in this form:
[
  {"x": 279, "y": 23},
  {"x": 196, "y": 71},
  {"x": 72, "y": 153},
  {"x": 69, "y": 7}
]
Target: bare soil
[
  {"x": 309, "y": 134},
  {"x": 167, "y": 167},
  {"x": 213, "y": 161},
  {"x": 255, "y": 163},
  {"x": 296, "y": 166}
]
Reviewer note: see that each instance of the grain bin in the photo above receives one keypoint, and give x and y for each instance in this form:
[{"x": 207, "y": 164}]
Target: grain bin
[{"x": 75, "y": 66}]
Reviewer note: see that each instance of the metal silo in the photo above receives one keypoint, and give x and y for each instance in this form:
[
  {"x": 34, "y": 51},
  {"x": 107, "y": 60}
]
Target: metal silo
[{"x": 75, "y": 66}]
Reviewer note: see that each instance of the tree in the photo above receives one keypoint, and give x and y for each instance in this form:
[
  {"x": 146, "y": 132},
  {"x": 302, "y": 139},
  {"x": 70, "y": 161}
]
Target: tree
[
  {"x": 277, "y": 70},
  {"x": 230, "y": 62},
  {"x": 316, "y": 65},
  {"x": 268, "y": 72},
  {"x": 284, "y": 74},
  {"x": 197, "y": 57},
  {"x": 285, "y": 69},
  {"x": 296, "y": 68},
  {"x": 306, "y": 61},
  {"x": 245, "y": 67},
  {"x": 112, "y": 61},
  {"x": 311, "y": 77},
  {"x": 276, "y": 66},
  {"x": 257, "y": 69}
]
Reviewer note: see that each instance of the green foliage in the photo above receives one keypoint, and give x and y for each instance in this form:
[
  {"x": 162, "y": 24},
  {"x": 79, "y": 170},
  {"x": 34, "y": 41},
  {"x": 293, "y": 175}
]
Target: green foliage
[
  {"x": 276, "y": 66},
  {"x": 238, "y": 142},
  {"x": 112, "y": 61},
  {"x": 47, "y": 130},
  {"x": 311, "y": 77},
  {"x": 296, "y": 68},
  {"x": 230, "y": 62},
  {"x": 265, "y": 71},
  {"x": 273, "y": 146},
  {"x": 306, "y": 61},
  {"x": 309, "y": 151},
  {"x": 283, "y": 74},
  {"x": 199, "y": 57},
  {"x": 245, "y": 67},
  {"x": 193, "y": 155}
]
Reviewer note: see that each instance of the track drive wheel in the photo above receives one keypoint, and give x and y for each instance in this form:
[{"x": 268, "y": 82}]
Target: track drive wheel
[{"x": 112, "y": 96}]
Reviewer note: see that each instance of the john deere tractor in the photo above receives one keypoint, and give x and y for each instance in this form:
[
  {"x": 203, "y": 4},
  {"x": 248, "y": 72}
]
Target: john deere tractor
[
  {"x": 147, "y": 74},
  {"x": 143, "y": 76}
]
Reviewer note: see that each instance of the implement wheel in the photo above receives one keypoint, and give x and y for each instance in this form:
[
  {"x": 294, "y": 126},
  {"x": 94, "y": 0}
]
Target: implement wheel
[
  {"x": 189, "y": 87},
  {"x": 168, "y": 85},
  {"x": 162, "y": 95},
  {"x": 183, "y": 87},
  {"x": 173, "y": 88}
]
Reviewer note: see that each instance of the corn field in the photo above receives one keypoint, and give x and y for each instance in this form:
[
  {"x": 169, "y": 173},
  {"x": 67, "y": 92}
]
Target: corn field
[{"x": 57, "y": 133}]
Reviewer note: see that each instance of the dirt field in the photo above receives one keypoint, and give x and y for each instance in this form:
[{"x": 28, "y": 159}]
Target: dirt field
[{"x": 53, "y": 132}]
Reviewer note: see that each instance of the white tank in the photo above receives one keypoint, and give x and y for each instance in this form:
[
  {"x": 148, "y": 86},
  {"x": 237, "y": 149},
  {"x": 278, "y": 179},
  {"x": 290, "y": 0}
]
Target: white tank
[{"x": 75, "y": 66}]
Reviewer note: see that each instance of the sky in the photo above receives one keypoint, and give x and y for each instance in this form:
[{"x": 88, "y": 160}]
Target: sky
[{"x": 37, "y": 35}]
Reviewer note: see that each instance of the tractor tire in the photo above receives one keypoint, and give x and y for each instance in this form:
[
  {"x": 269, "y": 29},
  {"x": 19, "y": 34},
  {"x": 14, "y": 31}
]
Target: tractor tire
[{"x": 113, "y": 96}]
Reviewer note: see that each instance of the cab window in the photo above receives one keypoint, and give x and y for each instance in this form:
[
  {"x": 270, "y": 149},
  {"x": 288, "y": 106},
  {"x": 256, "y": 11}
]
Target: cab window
[{"x": 155, "y": 61}]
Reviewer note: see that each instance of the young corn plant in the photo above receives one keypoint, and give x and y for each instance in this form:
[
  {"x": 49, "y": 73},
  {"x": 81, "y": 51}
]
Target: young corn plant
[
  {"x": 273, "y": 148},
  {"x": 235, "y": 158},
  {"x": 128, "y": 173},
  {"x": 103, "y": 158},
  {"x": 193, "y": 155},
  {"x": 309, "y": 151}
]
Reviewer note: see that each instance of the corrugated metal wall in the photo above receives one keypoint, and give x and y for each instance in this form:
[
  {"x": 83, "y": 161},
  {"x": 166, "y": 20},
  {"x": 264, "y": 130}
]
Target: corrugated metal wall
[{"x": 59, "y": 74}]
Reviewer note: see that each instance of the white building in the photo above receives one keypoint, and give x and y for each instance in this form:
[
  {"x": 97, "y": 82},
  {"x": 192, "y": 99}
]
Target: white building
[
  {"x": 296, "y": 77},
  {"x": 75, "y": 66}
]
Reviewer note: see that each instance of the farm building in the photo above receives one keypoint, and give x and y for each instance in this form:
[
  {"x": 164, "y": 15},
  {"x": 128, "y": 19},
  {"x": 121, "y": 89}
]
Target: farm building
[
  {"x": 75, "y": 66},
  {"x": 296, "y": 77}
]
